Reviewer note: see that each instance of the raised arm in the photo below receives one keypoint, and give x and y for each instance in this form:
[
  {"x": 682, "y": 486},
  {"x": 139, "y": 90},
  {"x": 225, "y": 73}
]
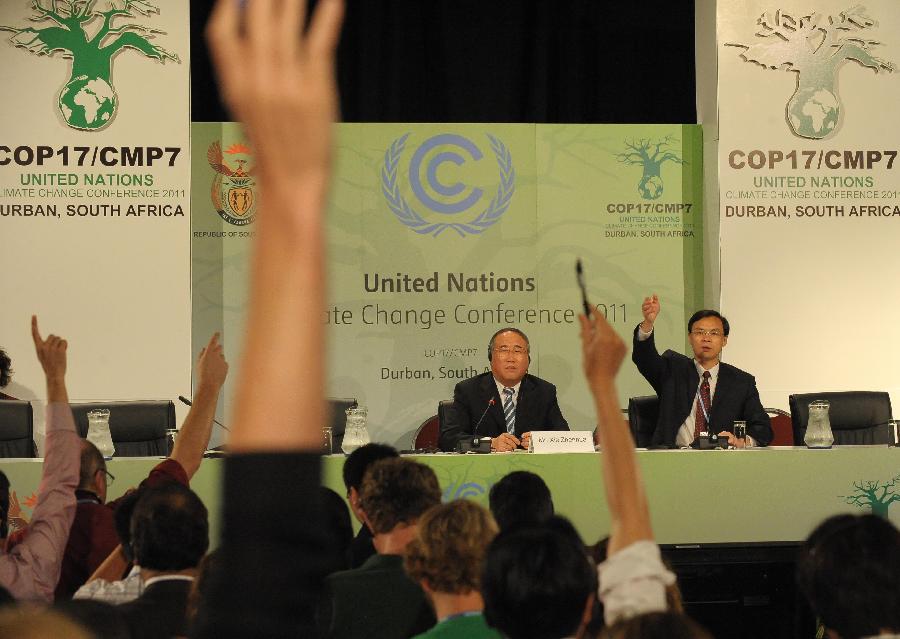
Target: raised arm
[
  {"x": 281, "y": 85},
  {"x": 31, "y": 569},
  {"x": 602, "y": 352},
  {"x": 193, "y": 438}
]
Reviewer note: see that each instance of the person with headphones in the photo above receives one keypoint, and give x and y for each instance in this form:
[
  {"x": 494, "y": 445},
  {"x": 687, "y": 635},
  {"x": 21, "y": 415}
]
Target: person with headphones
[{"x": 505, "y": 404}]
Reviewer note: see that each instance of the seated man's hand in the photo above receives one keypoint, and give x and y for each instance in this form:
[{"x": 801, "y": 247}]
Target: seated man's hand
[
  {"x": 504, "y": 442},
  {"x": 526, "y": 440},
  {"x": 732, "y": 440}
]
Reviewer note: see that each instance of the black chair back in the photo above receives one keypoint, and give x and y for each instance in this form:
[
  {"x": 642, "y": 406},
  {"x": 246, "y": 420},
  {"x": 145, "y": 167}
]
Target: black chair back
[
  {"x": 337, "y": 419},
  {"x": 138, "y": 428},
  {"x": 16, "y": 429},
  {"x": 446, "y": 407},
  {"x": 643, "y": 413},
  {"x": 857, "y": 417}
]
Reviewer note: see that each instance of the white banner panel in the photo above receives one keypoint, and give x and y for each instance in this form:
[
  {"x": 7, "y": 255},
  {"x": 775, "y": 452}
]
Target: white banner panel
[
  {"x": 810, "y": 187},
  {"x": 94, "y": 179}
]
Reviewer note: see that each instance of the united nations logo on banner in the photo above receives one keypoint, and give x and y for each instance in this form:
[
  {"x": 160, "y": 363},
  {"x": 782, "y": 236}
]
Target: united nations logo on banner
[
  {"x": 92, "y": 39},
  {"x": 232, "y": 190},
  {"x": 465, "y": 203}
]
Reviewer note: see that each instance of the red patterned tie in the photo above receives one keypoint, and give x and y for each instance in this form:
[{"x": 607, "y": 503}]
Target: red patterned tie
[{"x": 700, "y": 422}]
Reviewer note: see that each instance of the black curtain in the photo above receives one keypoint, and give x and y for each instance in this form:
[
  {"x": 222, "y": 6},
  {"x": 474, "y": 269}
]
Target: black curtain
[{"x": 572, "y": 61}]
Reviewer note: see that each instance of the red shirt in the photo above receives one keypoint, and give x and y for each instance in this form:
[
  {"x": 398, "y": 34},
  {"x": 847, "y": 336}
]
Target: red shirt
[{"x": 93, "y": 535}]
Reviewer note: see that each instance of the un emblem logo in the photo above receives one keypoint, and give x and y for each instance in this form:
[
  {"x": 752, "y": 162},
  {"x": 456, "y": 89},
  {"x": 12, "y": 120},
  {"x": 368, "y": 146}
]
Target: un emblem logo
[{"x": 453, "y": 199}]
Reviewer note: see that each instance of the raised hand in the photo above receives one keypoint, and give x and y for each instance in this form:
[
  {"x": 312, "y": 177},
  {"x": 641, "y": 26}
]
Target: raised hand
[
  {"x": 280, "y": 83},
  {"x": 602, "y": 350},
  {"x": 211, "y": 365},
  {"x": 51, "y": 352},
  {"x": 650, "y": 309}
]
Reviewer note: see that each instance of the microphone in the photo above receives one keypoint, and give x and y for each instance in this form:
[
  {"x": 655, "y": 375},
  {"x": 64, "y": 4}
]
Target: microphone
[
  {"x": 491, "y": 402},
  {"x": 185, "y": 400}
]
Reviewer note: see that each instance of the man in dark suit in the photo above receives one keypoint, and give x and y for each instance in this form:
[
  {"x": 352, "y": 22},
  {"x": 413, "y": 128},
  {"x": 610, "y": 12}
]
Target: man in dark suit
[
  {"x": 169, "y": 536},
  {"x": 700, "y": 394},
  {"x": 508, "y": 402}
]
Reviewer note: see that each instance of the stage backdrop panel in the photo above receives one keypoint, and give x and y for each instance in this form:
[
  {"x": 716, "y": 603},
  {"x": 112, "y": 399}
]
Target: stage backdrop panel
[
  {"x": 810, "y": 193},
  {"x": 440, "y": 234},
  {"x": 94, "y": 180}
]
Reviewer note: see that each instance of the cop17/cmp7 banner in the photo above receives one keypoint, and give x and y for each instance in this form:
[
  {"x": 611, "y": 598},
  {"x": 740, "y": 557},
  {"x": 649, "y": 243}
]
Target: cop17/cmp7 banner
[
  {"x": 94, "y": 174},
  {"x": 440, "y": 234},
  {"x": 810, "y": 193}
]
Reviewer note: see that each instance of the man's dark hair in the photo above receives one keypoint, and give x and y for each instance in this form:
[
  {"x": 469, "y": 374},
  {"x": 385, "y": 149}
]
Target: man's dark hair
[
  {"x": 539, "y": 569},
  {"x": 708, "y": 312},
  {"x": 360, "y": 459},
  {"x": 91, "y": 461},
  {"x": 520, "y": 497},
  {"x": 397, "y": 491},
  {"x": 5, "y": 368},
  {"x": 122, "y": 519},
  {"x": 849, "y": 572},
  {"x": 169, "y": 528},
  {"x": 508, "y": 329}
]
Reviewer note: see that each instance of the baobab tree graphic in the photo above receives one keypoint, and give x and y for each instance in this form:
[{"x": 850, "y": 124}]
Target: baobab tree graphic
[
  {"x": 874, "y": 494},
  {"x": 815, "y": 47},
  {"x": 650, "y": 156},
  {"x": 78, "y": 30}
]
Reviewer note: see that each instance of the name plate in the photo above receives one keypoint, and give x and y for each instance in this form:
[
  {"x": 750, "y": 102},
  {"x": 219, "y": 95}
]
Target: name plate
[{"x": 562, "y": 441}]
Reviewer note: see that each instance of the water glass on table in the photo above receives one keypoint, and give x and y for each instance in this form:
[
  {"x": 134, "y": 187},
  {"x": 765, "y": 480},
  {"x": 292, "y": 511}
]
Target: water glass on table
[{"x": 740, "y": 431}]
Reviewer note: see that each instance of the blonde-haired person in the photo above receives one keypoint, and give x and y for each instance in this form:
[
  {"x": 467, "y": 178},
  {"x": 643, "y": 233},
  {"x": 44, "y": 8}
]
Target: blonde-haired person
[{"x": 445, "y": 558}]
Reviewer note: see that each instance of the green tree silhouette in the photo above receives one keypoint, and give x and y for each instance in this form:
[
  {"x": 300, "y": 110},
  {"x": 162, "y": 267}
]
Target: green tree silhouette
[
  {"x": 649, "y": 155},
  {"x": 814, "y": 47},
  {"x": 874, "y": 494},
  {"x": 88, "y": 100}
]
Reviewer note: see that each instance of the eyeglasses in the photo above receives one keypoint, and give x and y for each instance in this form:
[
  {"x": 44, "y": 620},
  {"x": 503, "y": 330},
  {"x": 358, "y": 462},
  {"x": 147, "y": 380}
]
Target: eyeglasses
[
  {"x": 699, "y": 332},
  {"x": 515, "y": 350},
  {"x": 110, "y": 478}
]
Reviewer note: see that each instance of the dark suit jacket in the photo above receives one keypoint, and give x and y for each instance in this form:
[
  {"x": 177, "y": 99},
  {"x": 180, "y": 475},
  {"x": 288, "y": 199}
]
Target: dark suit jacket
[
  {"x": 375, "y": 601},
  {"x": 159, "y": 612},
  {"x": 675, "y": 379},
  {"x": 536, "y": 409}
]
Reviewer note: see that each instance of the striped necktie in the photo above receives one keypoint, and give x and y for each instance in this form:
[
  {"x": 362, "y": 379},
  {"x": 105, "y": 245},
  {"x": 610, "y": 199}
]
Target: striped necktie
[{"x": 509, "y": 410}]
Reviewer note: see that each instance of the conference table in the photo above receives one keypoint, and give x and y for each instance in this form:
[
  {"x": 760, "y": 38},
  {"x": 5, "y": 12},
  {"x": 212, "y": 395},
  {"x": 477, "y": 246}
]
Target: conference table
[{"x": 774, "y": 494}]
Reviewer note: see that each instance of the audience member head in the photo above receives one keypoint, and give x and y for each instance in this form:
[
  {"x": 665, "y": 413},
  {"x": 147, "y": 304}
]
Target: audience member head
[
  {"x": 99, "y": 617},
  {"x": 209, "y": 571},
  {"x": 336, "y": 519},
  {"x": 657, "y": 625},
  {"x": 169, "y": 528},
  {"x": 5, "y": 597},
  {"x": 544, "y": 571},
  {"x": 122, "y": 519},
  {"x": 598, "y": 553},
  {"x": 849, "y": 572},
  {"x": 92, "y": 475},
  {"x": 355, "y": 467},
  {"x": 32, "y": 622},
  {"x": 4, "y": 505},
  {"x": 448, "y": 551},
  {"x": 5, "y": 368},
  {"x": 521, "y": 497},
  {"x": 397, "y": 491}
]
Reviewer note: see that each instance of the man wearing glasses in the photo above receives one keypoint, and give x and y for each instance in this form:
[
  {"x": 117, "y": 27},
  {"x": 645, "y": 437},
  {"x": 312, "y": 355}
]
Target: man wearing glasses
[
  {"x": 700, "y": 394},
  {"x": 505, "y": 404}
]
